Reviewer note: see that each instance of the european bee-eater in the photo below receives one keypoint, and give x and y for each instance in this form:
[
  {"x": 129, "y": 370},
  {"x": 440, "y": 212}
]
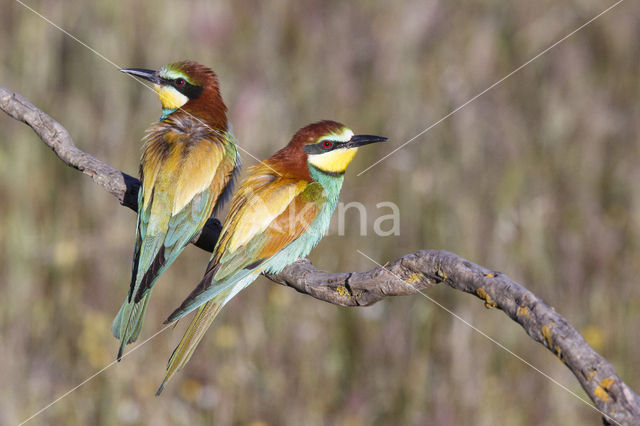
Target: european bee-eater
[
  {"x": 279, "y": 213},
  {"x": 188, "y": 162}
]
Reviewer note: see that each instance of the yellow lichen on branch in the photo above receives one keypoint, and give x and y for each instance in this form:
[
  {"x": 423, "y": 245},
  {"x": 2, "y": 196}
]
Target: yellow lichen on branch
[
  {"x": 342, "y": 290},
  {"x": 488, "y": 301},
  {"x": 601, "y": 393},
  {"x": 546, "y": 333},
  {"x": 413, "y": 278},
  {"x": 606, "y": 383},
  {"x": 523, "y": 310}
]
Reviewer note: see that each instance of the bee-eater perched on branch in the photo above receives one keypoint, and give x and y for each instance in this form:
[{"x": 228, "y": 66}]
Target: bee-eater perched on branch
[
  {"x": 279, "y": 213},
  {"x": 188, "y": 162}
]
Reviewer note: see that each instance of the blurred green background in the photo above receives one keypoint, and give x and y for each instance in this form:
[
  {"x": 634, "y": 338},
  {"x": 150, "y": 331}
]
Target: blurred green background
[{"x": 537, "y": 179}]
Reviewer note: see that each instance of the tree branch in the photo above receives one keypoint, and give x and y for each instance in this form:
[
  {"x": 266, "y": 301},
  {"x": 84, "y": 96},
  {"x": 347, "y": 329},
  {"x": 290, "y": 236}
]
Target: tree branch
[{"x": 408, "y": 275}]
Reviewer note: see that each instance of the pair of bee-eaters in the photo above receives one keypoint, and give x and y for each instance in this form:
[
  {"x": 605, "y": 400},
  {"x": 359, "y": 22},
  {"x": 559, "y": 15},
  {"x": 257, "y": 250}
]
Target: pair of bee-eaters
[{"x": 279, "y": 213}]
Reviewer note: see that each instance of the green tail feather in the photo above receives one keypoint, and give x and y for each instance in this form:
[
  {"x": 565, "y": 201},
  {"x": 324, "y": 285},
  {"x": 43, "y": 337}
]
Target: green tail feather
[
  {"x": 127, "y": 324},
  {"x": 182, "y": 353}
]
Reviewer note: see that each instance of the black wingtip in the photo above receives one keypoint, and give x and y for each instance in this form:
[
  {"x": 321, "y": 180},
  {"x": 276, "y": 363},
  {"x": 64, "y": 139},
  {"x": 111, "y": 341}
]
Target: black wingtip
[
  {"x": 161, "y": 388},
  {"x": 173, "y": 317},
  {"x": 120, "y": 353},
  {"x": 179, "y": 312}
]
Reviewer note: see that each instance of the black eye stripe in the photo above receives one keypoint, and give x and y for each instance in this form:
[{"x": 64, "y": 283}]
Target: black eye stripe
[
  {"x": 318, "y": 148},
  {"x": 187, "y": 89}
]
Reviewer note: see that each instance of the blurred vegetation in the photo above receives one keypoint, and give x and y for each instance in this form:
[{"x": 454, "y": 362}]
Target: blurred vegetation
[{"x": 537, "y": 178}]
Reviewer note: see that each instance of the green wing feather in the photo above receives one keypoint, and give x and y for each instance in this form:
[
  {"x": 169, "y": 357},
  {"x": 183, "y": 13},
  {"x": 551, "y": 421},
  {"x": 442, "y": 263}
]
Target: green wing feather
[
  {"x": 162, "y": 233},
  {"x": 254, "y": 230},
  {"x": 229, "y": 271}
]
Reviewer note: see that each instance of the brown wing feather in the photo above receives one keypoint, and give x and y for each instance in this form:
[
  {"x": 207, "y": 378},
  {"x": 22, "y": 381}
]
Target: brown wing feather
[
  {"x": 291, "y": 223},
  {"x": 259, "y": 184}
]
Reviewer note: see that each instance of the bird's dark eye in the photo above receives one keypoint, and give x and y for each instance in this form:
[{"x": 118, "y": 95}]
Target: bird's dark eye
[
  {"x": 180, "y": 82},
  {"x": 327, "y": 145}
]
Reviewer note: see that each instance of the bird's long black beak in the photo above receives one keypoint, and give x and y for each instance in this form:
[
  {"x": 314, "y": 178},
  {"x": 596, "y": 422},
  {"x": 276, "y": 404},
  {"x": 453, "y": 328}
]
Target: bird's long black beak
[
  {"x": 149, "y": 75},
  {"x": 360, "y": 140}
]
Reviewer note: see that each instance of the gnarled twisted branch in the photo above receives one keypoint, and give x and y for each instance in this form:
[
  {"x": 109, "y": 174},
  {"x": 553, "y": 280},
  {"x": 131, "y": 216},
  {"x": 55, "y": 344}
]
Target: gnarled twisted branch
[{"x": 408, "y": 275}]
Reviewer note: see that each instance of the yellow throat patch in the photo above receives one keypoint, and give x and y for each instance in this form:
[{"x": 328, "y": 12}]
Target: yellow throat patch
[
  {"x": 170, "y": 97},
  {"x": 333, "y": 161}
]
